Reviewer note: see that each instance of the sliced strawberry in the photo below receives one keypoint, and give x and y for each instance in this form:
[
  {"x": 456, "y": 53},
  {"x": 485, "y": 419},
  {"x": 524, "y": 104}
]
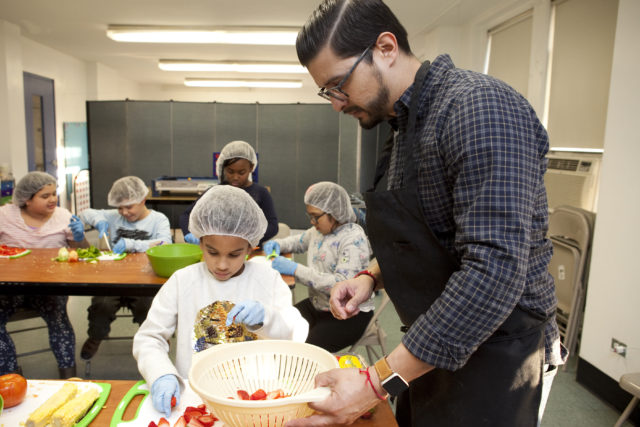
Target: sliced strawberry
[
  {"x": 173, "y": 401},
  {"x": 243, "y": 395},
  {"x": 207, "y": 420},
  {"x": 180, "y": 423},
  {"x": 192, "y": 414},
  {"x": 195, "y": 409},
  {"x": 203, "y": 408},
  {"x": 275, "y": 394},
  {"x": 194, "y": 423},
  {"x": 163, "y": 422},
  {"x": 152, "y": 424},
  {"x": 259, "y": 394}
]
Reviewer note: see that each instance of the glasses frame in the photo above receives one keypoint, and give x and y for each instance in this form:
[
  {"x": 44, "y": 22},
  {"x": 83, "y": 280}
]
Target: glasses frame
[
  {"x": 336, "y": 92},
  {"x": 315, "y": 218}
]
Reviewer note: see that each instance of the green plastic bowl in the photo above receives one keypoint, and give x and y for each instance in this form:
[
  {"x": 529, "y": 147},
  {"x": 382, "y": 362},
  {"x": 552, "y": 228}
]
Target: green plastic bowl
[{"x": 166, "y": 259}]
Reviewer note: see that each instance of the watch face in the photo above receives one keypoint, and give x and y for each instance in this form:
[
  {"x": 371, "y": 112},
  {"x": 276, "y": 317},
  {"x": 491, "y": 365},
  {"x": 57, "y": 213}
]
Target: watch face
[{"x": 395, "y": 385}]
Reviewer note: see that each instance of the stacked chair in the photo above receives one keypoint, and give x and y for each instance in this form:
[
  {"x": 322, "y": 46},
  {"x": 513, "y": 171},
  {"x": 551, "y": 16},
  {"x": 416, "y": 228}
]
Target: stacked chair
[{"x": 571, "y": 232}]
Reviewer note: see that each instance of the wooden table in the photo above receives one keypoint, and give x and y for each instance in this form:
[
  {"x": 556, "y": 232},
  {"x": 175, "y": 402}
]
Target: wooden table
[
  {"x": 36, "y": 273},
  {"x": 382, "y": 417}
]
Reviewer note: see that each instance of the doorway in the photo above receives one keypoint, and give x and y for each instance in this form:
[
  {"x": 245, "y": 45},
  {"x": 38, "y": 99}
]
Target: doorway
[{"x": 39, "y": 104}]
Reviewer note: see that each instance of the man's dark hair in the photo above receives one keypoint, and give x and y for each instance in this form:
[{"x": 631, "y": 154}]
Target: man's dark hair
[{"x": 348, "y": 27}]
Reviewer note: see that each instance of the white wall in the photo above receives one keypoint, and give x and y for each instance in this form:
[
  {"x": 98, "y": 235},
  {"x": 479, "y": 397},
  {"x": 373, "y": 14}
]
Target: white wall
[
  {"x": 13, "y": 150},
  {"x": 613, "y": 298}
]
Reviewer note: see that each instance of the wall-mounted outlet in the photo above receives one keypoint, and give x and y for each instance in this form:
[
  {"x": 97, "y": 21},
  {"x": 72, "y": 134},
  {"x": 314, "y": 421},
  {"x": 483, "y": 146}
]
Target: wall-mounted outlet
[{"x": 618, "y": 347}]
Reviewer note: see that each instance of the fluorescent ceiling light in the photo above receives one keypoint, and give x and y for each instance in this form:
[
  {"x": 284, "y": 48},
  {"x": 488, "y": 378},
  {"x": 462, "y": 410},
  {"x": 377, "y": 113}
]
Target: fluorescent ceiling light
[
  {"x": 196, "y": 82},
  {"x": 282, "y": 36},
  {"x": 232, "y": 66}
]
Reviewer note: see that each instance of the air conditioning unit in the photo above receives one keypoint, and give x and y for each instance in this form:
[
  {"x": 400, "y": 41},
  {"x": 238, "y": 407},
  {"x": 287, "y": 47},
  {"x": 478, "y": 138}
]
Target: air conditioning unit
[{"x": 573, "y": 178}]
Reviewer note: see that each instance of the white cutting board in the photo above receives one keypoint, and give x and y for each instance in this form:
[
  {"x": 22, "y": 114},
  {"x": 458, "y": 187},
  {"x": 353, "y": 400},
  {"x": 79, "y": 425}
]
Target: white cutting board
[
  {"x": 146, "y": 412},
  {"x": 38, "y": 391}
]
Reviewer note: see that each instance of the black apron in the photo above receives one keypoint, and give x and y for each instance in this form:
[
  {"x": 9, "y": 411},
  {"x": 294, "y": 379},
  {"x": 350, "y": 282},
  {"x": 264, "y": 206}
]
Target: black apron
[{"x": 501, "y": 384}]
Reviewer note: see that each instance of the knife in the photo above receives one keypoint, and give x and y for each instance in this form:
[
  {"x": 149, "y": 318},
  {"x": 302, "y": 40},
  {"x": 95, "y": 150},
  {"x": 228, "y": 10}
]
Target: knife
[{"x": 105, "y": 239}]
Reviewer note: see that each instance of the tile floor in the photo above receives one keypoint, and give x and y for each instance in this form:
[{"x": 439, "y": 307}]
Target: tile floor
[{"x": 570, "y": 404}]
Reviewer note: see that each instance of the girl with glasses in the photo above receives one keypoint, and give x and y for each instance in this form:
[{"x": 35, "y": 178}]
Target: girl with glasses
[{"x": 337, "y": 250}]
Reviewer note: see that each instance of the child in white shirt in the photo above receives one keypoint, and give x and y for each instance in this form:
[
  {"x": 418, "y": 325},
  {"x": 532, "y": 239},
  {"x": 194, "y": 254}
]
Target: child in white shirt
[{"x": 229, "y": 223}]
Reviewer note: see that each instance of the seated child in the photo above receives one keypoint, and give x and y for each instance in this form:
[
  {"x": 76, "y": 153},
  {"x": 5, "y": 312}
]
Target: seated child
[
  {"x": 337, "y": 250},
  {"x": 228, "y": 223},
  {"x": 34, "y": 220},
  {"x": 237, "y": 161},
  {"x": 132, "y": 227}
]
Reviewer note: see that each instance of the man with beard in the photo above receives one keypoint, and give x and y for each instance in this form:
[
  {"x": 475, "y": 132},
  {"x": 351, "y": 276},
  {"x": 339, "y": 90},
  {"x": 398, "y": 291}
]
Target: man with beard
[{"x": 459, "y": 235}]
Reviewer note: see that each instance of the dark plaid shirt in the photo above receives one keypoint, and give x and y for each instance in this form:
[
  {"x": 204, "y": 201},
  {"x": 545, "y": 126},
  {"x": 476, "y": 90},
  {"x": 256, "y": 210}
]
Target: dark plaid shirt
[{"x": 481, "y": 154}]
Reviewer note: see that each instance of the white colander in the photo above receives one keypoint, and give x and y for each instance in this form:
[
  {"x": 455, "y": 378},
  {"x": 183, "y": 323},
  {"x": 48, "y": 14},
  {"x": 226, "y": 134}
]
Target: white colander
[{"x": 217, "y": 373}]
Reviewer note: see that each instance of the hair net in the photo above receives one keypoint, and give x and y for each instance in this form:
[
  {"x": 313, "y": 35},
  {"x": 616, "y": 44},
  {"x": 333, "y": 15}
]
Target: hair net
[
  {"x": 332, "y": 199},
  {"x": 225, "y": 210},
  {"x": 127, "y": 190},
  {"x": 29, "y": 185},
  {"x": 236, "y": 150}
]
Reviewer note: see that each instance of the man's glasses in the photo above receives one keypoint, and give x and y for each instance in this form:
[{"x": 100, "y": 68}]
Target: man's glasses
[
  {"x": 315, "y": 218},
  {"x": 336, "y": 91}
]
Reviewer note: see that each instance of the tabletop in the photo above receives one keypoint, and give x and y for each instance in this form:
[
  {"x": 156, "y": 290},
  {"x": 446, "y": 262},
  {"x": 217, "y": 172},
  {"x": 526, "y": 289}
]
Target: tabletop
[
  {"x": 382, "y": 417},
  {"x": 38, "y": 273}
]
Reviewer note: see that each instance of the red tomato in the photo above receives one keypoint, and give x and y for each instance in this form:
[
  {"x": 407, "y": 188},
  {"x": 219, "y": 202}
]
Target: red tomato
[
  {"x": 13, "y": 388},
  {"x": 243, "y": 395},
  {"x": 259, "y": 394}
]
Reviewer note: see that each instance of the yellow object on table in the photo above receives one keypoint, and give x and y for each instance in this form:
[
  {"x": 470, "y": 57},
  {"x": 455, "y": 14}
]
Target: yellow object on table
[
  {"x": 42, "y": 416},
  {"x": 72, "y": 411},
  {"x": 350, "y": 361}
]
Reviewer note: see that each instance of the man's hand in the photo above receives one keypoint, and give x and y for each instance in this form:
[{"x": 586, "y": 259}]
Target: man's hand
[
  {"x": 351, "y": 396},
  {"x": 346, "y": 296}
]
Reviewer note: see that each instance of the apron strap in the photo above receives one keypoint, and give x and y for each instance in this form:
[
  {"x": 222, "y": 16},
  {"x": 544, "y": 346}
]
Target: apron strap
[{"x": 410, "y": 174}]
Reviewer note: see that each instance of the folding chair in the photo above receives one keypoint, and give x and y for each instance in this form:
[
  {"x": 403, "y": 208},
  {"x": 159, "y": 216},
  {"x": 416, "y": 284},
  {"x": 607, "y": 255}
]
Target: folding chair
[
  {"x": 571, "y": 232},
  {"x": 374, "y": 334}
]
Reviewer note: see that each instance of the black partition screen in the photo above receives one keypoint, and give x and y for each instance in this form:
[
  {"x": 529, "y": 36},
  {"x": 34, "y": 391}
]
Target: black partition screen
[{"x": 297, "y": 145}]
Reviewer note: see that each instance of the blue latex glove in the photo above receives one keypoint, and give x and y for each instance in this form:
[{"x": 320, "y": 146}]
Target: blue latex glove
[
  {"x": 270, "y": 246},
  {"x": 190, "y": 238},
  {"x": 284, "y": 265},
  {"x": 102, "y": 227},
  {"x": 119, "y": 247},
  {"x": 162, "y": 390},
  {"x": 77, "y": 228},
  {"x": 248, "y": 312}
]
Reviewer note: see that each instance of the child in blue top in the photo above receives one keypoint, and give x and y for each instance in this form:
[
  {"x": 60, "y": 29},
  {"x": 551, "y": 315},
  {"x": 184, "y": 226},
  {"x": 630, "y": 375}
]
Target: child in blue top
[{"x": 132, "y": 227}]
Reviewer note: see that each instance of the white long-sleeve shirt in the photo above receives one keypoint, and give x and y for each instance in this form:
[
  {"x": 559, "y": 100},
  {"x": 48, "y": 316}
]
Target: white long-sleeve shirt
[
  {"x": 176, "y": 306},
  {"x": 138, "y": 236}
]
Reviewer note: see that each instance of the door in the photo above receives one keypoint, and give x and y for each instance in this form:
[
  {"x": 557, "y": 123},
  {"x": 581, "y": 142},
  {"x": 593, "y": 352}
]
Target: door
[{"x": 39, "y": 104}]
